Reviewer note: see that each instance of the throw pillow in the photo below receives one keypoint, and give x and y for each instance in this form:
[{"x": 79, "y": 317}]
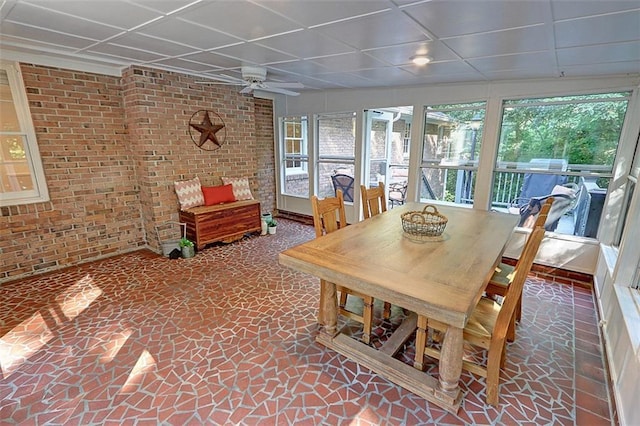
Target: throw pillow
[
  {"x": 218, "y": 194},
  {"x": 241, "y": 188},
  {"x": 189, "y": 193}
]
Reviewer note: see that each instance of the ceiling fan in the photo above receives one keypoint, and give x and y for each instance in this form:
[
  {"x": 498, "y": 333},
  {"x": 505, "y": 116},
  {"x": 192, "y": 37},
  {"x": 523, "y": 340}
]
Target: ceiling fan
[{"x": 255, "y": 78}]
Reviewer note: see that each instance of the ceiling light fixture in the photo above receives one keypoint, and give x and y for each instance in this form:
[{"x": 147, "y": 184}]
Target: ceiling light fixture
[{"x": 420, "y": 59}]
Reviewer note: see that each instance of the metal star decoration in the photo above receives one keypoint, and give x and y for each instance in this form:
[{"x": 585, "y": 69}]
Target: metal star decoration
[{"x": 207, "y": 130}]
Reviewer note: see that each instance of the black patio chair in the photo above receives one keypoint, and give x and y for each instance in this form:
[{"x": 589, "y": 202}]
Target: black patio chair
[{"x": 345, "y": 183}]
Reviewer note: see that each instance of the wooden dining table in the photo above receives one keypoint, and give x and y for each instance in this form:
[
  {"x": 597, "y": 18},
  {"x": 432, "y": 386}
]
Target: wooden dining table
[{"x": 441, "y": 278}]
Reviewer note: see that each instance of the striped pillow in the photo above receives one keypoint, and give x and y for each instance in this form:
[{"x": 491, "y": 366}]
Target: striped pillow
[
  {"x": 240, "y": 186},
  {"x": 189, "y": 193}
]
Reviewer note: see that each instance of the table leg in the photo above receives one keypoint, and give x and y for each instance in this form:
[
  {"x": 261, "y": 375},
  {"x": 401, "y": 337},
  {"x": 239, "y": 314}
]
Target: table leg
[
  {"x": 329, "y": 308},
  {"x": 451, "y": 360}
]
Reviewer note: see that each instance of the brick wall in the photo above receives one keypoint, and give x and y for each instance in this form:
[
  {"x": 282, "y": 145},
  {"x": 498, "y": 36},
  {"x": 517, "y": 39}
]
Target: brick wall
[
  {"x": 94, "y": 209},
  {"x": 111, "y": 149}
]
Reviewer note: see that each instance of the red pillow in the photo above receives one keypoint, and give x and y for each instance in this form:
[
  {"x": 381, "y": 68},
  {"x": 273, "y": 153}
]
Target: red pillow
[{"x": 218, "y": 194}]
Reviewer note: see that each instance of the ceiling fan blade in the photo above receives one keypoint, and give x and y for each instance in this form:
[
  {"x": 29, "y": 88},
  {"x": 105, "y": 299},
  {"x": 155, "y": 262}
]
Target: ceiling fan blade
[
  {"x": 221, "y": 83},
  {"x": 247, "y": 90}
]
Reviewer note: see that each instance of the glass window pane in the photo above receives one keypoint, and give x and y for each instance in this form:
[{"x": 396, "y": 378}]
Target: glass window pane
[
  {"x": 15, "y": 175},
  {"x": 580, "y": 133},
  {"x": 296, "y": 183},
  {"x": 561, "y": 146},
  {"x": 336, "y": 135},
  {"x": 452, "y": 138}
]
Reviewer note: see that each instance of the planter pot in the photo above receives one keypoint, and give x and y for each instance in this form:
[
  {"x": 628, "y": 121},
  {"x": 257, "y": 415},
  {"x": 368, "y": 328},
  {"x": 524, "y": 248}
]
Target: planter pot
[
  {"x": 272, "y": 229},
  {"x": 264, "y": 227},
  {"x": 188, "y": 252}
]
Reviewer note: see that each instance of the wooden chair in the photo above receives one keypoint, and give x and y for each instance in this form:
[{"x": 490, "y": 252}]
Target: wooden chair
[
  {"x": 373, "y": 200},
  {"x": 329, "y": 216},
  {"x": 487, "y": 326},
  {"x": 374, "y": 203},
  {"x": 504, "y": 273}
]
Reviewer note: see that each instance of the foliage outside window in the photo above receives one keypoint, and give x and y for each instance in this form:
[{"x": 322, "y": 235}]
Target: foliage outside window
[
  {"x": 336, "y": 149},
  {"x": 451, "y": 146},
  {"x": 21, "y": 175},
  {"x": 559, "y": 140},
  {"x": 296, "y": 160}
]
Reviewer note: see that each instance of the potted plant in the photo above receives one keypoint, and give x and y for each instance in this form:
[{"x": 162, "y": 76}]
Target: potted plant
[
  {"x": 271, "y": 226},
  {"x": 187, "y": 248}
]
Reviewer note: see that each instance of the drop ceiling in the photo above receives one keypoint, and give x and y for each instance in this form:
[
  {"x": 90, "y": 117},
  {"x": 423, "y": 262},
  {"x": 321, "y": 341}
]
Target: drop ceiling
[{"x": 328, "y": 44}]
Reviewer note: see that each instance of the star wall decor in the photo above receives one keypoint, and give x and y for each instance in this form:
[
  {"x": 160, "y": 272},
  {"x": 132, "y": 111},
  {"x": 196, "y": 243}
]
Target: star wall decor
[{"x": 208, "y": 129}]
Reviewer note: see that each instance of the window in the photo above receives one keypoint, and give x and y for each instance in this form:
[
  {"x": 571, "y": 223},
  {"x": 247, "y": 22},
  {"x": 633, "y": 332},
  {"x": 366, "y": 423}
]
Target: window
[
  {"x": 296, "y": 160},
  {"x": 336, "y": 150},
  {"x": 21, "y": 175},
  {"x": 568, "y": 141},
  {"x": 406, "y": 140},
  {"x": 450, "y": 151}
]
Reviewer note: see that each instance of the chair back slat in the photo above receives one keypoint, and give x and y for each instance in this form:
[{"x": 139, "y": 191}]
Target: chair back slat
[
  {"x": 514, "y": 290},
  {"x": 328, "y": 214},
  {"x": 373, "y": 200}
]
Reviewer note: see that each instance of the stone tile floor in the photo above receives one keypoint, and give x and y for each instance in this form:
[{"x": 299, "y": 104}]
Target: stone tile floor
[{"x": 227, "y": 337}]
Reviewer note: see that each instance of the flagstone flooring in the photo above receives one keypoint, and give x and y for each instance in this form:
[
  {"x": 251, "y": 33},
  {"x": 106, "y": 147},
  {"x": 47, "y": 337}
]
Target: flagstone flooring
[{"x": 227, "y": 337}]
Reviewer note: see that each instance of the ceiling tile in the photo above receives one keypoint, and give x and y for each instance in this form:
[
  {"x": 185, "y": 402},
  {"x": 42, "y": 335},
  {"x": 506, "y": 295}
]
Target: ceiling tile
[
  {"x": 610, "y": 68},
  {"x": 62, "y": 41},
  {"x": 118, "y": 13},
  {"x": 163, "y": 6},
  {"x": 511, "y": 75},
  {"x": 379, "y": 30},
  {"x": 520, "y": 61},
  {"x": 568, "y": 9},
  {"x": 306, "y": 44},
  {"x": 439, "y": 68},
  {"x": 251, "y": 52},
  {"x": 188, "y": 33},
  {"x": 613, "y": 28},
  {"x": 213, "y": 59},
  {"x": 315, "y": 13},
  {"x": 301, "y": 67},
  {"x": 48, "y": 19},
  {"x": 453, "y": 18},
  {"x": 124, "y": 52},
  {"x": 401, "y": 54},
  {"x": 187, "y": 65},
  {"x": 239, "y": 18},
  {"x": 599, "y": 54},
  {"x": 151, "y": 44},
  {"x": 500, "y": 42},
  {"x": 349, "y": 62}
]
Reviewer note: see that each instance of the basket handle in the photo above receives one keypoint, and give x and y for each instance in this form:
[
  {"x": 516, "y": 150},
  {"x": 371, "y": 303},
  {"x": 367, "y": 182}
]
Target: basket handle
[
  {"x": 415, "y": 216},
  {"x": 435, "y": 210}
]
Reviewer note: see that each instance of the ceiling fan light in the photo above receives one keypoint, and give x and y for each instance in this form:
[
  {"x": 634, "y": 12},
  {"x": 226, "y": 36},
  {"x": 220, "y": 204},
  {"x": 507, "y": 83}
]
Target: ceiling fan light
[{"x": 420, "y": 59}]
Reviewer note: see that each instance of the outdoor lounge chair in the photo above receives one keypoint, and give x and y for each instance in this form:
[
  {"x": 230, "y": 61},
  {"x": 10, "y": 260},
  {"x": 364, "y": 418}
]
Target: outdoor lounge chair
[{"x": 565, "y": 198}]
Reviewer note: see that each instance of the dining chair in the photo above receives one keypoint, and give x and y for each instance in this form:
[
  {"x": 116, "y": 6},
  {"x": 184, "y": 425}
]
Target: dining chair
[
  {"x": 504, "y": 273},
  {"x": 373, "y": 200},
  {"x": 486, "y": 328},
  {"x": 329, "y": 216},
  {"x": 373, "y": 203}
]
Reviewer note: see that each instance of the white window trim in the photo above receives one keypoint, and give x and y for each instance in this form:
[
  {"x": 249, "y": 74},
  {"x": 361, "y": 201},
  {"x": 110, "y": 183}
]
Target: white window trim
[
  {"x": 303, "y": 157},
  {"x": 40, "y": 193}
]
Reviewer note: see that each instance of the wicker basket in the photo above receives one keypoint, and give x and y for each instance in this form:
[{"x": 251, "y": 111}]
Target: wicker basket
[{"x": 426, "y": 225}]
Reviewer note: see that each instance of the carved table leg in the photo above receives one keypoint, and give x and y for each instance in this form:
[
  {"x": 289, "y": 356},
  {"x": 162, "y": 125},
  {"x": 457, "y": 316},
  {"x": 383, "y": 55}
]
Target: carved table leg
[
  {"x": 451, "y": 360},
  {"x": 329, "y": 308}
]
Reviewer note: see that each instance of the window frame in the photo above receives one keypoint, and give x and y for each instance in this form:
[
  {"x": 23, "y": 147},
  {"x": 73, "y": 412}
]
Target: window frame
[
  {"x": 303, "y": 156},
  {"x": 40, "y": 192}
]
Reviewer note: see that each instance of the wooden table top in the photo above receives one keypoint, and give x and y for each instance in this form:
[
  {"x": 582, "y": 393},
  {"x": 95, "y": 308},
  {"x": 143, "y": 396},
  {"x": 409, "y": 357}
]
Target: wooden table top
[{"x": 440, "y": 279}]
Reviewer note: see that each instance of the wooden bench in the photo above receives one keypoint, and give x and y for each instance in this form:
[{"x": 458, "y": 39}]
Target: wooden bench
[{"x": 221, "y": 222}]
